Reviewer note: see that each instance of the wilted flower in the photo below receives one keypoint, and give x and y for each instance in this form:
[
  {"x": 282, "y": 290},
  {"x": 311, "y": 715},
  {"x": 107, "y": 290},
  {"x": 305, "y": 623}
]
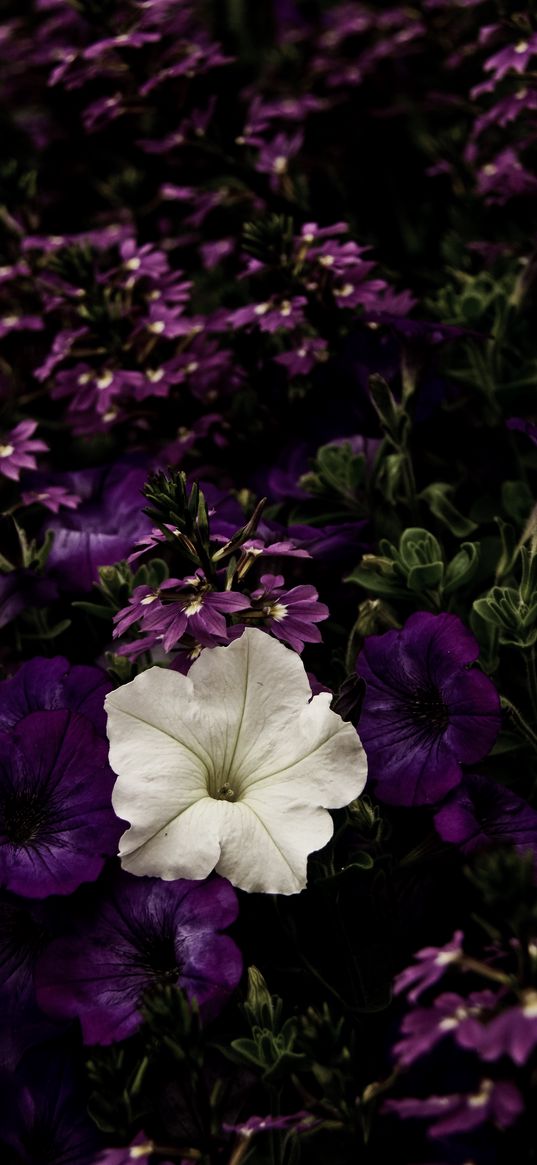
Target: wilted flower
[{"x": 230, "y": 768}]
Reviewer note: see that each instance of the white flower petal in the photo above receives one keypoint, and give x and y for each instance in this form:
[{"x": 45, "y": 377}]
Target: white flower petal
[
  {"x": 186, "y": 846},
  {"x": 243, "y": 725},
  {"x": 265, "y": 846}
]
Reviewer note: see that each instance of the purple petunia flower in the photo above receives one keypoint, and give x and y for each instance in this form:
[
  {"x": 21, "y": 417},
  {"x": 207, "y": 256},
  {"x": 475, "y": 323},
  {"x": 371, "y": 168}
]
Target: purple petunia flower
[
  {"x": 179, "y": 606},
  {"x": 17, "y": 450},
  {"x": 480, "y": 812},
  {"x": 25, "y": 928},
  {"x": 431, "y": 966},
  {"x": 43, "y": 1113},
  {"x": 497, "y": 1101},
  {"x": 139, "y": 933},
  {"x": 425, "y": 713},
  {"x": 289, "y": 615},
  {"x": 104, "y": 527},
  {"x": 56, "y": 820},
  {"x": 50, "y": 684}
]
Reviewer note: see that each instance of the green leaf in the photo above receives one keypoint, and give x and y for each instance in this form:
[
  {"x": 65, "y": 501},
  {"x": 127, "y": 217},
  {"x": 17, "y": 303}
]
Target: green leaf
[
  {"x": 462, "y": 567},
  {"x": 437, "y": 497}
]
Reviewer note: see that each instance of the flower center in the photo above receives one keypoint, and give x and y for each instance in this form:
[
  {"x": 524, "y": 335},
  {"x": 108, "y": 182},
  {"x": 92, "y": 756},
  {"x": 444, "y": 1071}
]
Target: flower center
[
  {"x": 427, "y": 709},
  {"x": 158, "y": 957},
  {"x": 25, "y": 815},
  {"x": 6, "y": 450}
]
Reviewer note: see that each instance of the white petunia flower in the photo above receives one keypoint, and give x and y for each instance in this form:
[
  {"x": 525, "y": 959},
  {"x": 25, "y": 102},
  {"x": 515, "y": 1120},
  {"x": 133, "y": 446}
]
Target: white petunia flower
[{"x": 230, "y": 768}]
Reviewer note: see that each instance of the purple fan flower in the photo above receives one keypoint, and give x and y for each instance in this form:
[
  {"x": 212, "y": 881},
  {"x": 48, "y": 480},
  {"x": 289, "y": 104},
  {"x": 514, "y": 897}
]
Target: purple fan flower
[
  {"x": 50, "y": 684},
  {"x": 43, "y": 1113},
  {"x": 497, "y": 1101},
  {"x": 297, "y": 1121},
  {"x": 52, "y": 498},
  {"x": 140, "y": 933},
  {"x": 57, "y": 825},
  {"x": 481, "y": 813},
  {"x": 450, "y": 1014},
  {"x": 179, "y": 606},
  {"x": 511, "y": 1033},
  {"x": 104, "y": 528},
  {"x": 17, "y": 450},
  {"x": 425, "y": 712},
  {"x": 431, "y": 966},
  {"x": 289, "y": 615}
]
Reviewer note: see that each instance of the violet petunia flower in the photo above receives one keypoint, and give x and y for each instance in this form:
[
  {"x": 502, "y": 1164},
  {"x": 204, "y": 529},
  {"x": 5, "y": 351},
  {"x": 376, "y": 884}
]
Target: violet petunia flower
[
  {"x": 43, "y": 1113},
  {"x": 138, "y": 934},
  {"x": 103, "y": 529},
  {"x": 432, "y": 963},
  {"x": 57, "y": 825},
  {"x": 289, "y": 615},
  {"x": 480, "y": 812},
  {"x": 42, "y": 685},
  {"x": 425, "y": 712},
  {"x": 17, "y": 450},
  {"x": 179, "y": 606},
  {"x": 497, "y": 1101}
]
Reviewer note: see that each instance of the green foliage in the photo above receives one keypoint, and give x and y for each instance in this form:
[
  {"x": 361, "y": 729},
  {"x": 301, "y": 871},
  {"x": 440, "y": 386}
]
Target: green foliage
[
  {"x": 512, "y": 610},
  {"x": 417, "y": 567},
  {"x": 337, "y": 471},
  {"x": 271, "y": 1048},
  {"x": 269, "y": 239}
]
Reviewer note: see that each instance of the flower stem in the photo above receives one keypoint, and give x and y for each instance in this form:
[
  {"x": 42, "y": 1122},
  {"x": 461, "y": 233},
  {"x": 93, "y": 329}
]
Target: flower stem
[{"x": 519, "y": 722}]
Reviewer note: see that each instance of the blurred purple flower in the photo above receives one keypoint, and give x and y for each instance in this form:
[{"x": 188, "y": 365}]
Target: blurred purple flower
[
  {"x": 43, "y": 1112},
  {"x": 512, "y": 1033},
  {"x": 425, "y": 712},
  {"x": 52, "y": 498},
  {"x": 480, "y": 812},
  {"x": 140, "y": 933},
  {"x": 432, "y": 963},
  {"x": 50, "y": 684},
  {"x": 56, "y": 820},
  {"x": 104, "y": 528},
  {"x": 497, "y": 1101},
  {"x": 424, "y": 1027},
  {"x": 17, "y": 450}
]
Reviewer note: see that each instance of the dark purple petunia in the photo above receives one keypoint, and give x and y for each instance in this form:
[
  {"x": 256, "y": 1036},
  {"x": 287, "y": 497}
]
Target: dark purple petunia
[
  {"x": 57, "y": 825},
  {"x": 103, "y": 529},
  {"x": 495, "y": 1101},
  {"x": 25, "y": 929},
  {"x": 425, "y": 712},
  {"x": 50, "y": 684},
  {"x": 43, "y": 1113},
  {"x": 480, "y": 813},
  {"x": 139, "y": 933}
]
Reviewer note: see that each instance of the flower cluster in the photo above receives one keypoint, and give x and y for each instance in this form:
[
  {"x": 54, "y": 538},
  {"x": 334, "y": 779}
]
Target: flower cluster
[{"x": 268, "y": 582}]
